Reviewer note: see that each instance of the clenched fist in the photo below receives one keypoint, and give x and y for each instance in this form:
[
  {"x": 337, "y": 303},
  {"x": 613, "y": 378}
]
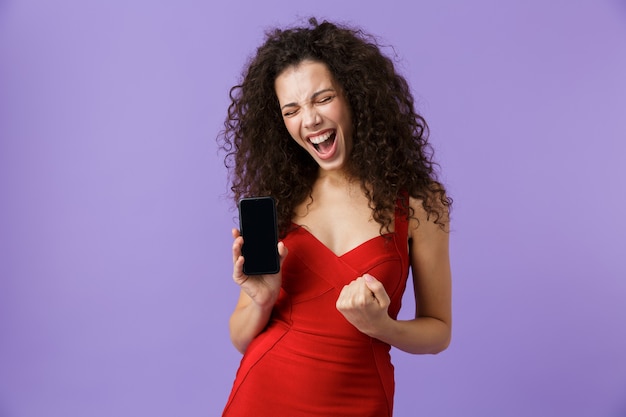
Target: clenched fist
[{"x": 364, "y": 303}]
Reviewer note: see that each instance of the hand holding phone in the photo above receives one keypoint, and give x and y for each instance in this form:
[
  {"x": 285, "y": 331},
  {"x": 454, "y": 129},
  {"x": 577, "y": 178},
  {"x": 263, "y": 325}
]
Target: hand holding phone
[{"x": 258, "y": 226}]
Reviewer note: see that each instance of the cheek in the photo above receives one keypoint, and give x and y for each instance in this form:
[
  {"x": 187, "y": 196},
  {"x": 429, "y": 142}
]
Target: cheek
[
  {"x": 346, "y": 124},
  {"x": 292, "y": 128}
]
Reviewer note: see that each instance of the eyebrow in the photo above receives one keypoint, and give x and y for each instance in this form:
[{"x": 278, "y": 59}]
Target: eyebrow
[{"x": 315, "y": 95}]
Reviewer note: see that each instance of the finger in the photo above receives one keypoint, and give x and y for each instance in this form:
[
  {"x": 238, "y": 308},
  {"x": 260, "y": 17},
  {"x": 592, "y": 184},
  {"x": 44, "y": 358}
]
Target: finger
[
  {"x": 238, "y": 274},
  {"x": 282, "y": 251},
  {"x": 377, "y": 288},
  {"x": 348, "y": 294},
  {"x": 355, "y": 295},
  {"x": 235, "y": 232},
  {"x": 238, "y": 267},
  {"x": 237, "y": 244},
  {"x": 343, "y": 301}
]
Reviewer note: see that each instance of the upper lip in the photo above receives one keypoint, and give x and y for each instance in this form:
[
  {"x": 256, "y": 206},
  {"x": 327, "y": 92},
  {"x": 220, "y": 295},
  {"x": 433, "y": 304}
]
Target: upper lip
[{"x": 321, "y": 132}]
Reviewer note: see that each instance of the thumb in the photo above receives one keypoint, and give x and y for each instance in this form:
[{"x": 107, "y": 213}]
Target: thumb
[
  {"x": 377, "y": 288},
  {"x": 282, "y": 251}
]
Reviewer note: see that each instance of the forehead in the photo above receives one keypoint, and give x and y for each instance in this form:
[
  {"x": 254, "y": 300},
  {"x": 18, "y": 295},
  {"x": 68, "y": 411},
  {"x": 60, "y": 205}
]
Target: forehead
[{"x": 299, "y": 82}]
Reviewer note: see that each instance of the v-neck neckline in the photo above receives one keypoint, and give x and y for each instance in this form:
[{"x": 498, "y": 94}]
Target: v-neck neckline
[{"x": 349, "y": 251}]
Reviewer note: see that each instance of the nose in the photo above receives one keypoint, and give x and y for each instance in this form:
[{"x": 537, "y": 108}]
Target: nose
[{"x": 311, "y": 117}]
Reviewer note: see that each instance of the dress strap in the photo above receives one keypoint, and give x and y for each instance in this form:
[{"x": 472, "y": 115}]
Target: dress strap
[{"x": 401, "y": 224}]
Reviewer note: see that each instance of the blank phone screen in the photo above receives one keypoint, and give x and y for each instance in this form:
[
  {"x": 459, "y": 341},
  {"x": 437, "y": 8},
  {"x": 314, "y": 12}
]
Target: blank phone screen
[{"x": 257, "y": 221}]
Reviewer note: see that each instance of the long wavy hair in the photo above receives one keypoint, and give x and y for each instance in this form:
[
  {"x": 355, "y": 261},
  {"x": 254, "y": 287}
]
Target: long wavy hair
[{"x": 391, "y": 155}]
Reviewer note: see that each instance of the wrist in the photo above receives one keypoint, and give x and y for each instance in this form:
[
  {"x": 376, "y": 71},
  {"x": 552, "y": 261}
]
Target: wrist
[{"x": 382, "y": 328}]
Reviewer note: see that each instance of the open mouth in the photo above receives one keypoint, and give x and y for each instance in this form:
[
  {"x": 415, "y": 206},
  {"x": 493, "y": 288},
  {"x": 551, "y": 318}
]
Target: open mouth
[{"x": 323, "y": 143}]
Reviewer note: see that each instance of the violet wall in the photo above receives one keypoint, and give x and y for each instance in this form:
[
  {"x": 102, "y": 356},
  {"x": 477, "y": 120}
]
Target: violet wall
[{"x": 115, "y": 285}]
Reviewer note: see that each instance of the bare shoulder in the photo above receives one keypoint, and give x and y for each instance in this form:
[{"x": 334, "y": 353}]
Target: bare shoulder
[{"x": 425, "y": 225}]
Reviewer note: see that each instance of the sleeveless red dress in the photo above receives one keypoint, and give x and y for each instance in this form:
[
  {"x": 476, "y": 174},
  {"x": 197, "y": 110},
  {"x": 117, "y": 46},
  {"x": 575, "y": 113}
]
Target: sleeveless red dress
[{"x": 310, "y": 361}]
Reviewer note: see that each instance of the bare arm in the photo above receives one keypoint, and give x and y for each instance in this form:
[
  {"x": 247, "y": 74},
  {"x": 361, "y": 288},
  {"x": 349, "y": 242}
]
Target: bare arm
[
  {"x": 256, "y": 298},
  {"x": 364, "y": 302}
]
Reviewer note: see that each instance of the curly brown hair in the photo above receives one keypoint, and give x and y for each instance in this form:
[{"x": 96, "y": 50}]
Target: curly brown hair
[{"x": 391, "y": 155}]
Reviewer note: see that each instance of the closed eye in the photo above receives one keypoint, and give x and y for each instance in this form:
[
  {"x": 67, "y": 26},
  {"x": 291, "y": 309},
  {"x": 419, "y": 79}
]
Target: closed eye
[
  {"x": 325, "y": 99},
  {"x": 290, "y": 113}
]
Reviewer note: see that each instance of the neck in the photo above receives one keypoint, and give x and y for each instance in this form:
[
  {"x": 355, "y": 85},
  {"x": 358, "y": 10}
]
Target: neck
[
  {"x": 337, "y": 176},
  {"x": 338, "y": 180}
]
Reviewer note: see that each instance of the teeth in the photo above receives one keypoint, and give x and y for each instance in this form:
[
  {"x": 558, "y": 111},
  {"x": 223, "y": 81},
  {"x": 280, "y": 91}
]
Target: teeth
[{"x": 321, "y": 138}]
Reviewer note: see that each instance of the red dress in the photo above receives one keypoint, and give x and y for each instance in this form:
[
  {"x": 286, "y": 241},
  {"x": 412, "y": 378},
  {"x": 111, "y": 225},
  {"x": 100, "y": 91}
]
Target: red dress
[{"x": 310, "y": 361}]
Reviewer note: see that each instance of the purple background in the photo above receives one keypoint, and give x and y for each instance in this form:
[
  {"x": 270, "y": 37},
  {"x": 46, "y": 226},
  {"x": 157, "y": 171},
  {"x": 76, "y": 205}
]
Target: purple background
[{"x": 115, "y": 269}]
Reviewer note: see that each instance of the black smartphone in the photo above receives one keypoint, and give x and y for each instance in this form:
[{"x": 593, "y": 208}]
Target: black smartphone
[{"x": 258, "y": 226}]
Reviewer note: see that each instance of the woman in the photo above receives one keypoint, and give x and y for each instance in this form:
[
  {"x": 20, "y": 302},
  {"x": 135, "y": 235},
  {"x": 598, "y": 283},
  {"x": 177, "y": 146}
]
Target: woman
[{"x": 324, "y": 124}]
